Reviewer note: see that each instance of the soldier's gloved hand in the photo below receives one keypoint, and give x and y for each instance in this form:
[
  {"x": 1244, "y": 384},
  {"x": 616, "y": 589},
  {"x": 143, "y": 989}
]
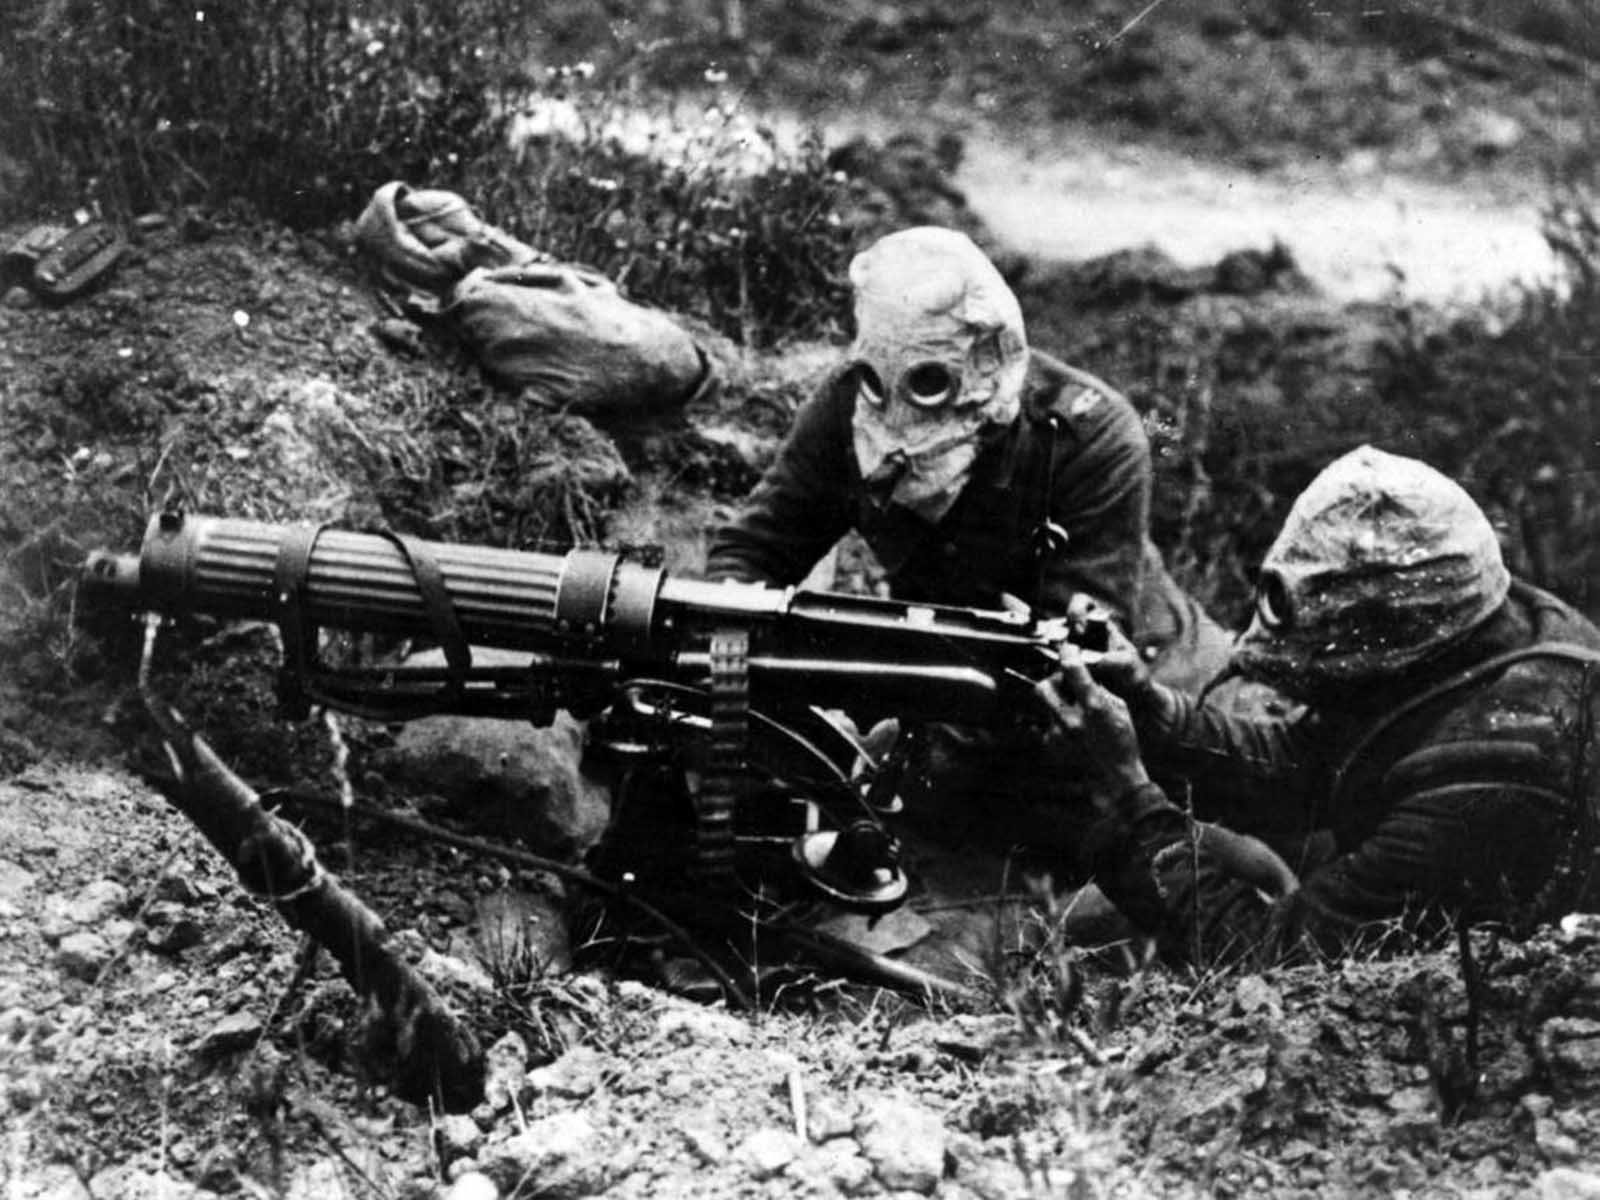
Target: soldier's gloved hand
[
  {"x": 1120, "y": 666},
  {"x": 1097, "y": 725}
]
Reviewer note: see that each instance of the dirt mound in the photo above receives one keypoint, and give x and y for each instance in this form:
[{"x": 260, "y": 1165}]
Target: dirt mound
[{"x": 155, "y": 1021}]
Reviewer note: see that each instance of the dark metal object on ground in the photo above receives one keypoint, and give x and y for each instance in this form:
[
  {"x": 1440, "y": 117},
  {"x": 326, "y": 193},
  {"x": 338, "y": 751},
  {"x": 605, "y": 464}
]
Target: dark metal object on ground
[
  {"x": 80, "y": 259},
  {"x": 18, "y": 259}
]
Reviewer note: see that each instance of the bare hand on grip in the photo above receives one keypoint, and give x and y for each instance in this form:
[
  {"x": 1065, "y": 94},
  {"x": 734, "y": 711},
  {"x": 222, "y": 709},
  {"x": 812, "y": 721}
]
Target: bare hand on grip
[{"x": 1096, "y": 723}]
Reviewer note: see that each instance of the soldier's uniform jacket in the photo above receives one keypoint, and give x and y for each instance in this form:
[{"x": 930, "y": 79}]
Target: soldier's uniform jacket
[
  {"x": 1077, "y": 456},
  {"x": 1472, "y": 791}
]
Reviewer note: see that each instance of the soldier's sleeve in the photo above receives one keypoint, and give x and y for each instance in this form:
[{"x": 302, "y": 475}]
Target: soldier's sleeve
[
  {"x": 1100, "y": 496},
  {"x": 1243, "y": 765},
  {"x": 1434, "y": 853},
  {"x": 801, "y": 507}
]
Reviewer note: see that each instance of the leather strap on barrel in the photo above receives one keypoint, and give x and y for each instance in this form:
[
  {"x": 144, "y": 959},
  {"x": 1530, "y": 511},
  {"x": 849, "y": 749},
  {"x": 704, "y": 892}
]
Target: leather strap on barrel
[
  {"x": 440, "y": 610},
  {"x": 296, "y": 680},
  {"x": 298, "y": 635}
]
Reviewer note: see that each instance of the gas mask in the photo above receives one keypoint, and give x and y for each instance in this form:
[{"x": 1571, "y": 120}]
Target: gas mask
[{"x": 939, "y": 359}]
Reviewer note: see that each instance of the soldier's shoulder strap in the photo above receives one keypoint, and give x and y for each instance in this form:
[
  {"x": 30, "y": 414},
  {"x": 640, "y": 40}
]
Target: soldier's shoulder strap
[{"x": 1074, "y": 395}]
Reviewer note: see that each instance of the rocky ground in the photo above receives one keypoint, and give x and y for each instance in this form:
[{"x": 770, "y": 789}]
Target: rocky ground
[
  {"x": 161, "y": 1034},
  {"x": 164, "y": 1034}
]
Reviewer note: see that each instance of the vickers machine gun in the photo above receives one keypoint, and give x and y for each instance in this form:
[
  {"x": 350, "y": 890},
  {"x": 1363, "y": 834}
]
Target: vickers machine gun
[{"x": 713, "y": 698}]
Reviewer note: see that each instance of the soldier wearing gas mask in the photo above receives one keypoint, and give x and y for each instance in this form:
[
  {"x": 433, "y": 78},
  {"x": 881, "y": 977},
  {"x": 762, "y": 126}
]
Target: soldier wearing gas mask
[
  {"x": 1441, "y": 769},
  {"x": 981, "y": 473}
]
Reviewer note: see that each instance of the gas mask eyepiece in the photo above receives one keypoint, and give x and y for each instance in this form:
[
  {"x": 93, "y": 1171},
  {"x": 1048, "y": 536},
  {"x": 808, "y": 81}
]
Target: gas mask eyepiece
[
  {"x": 871, "y": 385},
  {"x": 1274, "y": 602},
  {"x": 931, "y": 385}
]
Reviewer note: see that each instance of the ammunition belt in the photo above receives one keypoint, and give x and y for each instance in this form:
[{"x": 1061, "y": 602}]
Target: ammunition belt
[{"x": 725, "y": 776}]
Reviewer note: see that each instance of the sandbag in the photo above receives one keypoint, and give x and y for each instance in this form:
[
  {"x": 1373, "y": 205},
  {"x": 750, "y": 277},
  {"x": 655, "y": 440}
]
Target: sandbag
[
  {"x": 561, "y": 333},
  {"x": 566, "y": 335}
]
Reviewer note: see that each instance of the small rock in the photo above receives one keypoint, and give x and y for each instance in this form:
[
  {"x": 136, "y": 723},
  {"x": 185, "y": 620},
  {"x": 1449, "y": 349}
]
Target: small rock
[
  {"x": 1253, "y": 994},
  {"x": 457, "y": 1136},
  {"x": 449, "y": 972},
  {"x": 693, "y": 1025},
  {"x": 704, "y": 1143},
  {"x": 320, "y": 1179},
  {"x": 1569, "y": 1048},
  {"x": 767, "y": 1152},
  {"x": 25, "y": 1092},
  {"x": 219, "y": 1169},
  {"x": 827, "y": 1119},
  {"x": 176, "y": 887},
  {"x": 170, "y": 929},
  {"x": 678, "y": 1085},
  {"x": 1556, "y": 1145},
  {"x": 236, "y": 1031},
  {"x": 19, "y": 297},
  {"x": 573, "y": 1076},
  {"x": 842, "y": 1165},
  {"x": 97, "y": 902},
  {"x": 472, "y": 1185},
  {"x": 1413, "y": 1130},
  {"x": 53, "y": 1181},
  {"x": 83, "y": 955},
  {"x": 463, "y": 1166},
  {"x": 557, "y": 1157},
  {"x": 15, "y": 880},
  {"x": 15, "y": 1024},
  {"x": 399, "y": 335},
  {"x": 127, "y": 1182},
  {"x": 996, "y": 1177},
  {"x": 1411, "y": 1100},
  {"x": 1491, "y": 133},
  {"x": 1578, "y": 930},
  {"x": 505, "y": 1069},
  {"x": 1508, "y": 1073},
  {"x": 905, "y": 1144},
  {"x": 507, "y": 777},
  {"x": 1566, "y": 1183},
  {"x": 1377, "y": 1080}
]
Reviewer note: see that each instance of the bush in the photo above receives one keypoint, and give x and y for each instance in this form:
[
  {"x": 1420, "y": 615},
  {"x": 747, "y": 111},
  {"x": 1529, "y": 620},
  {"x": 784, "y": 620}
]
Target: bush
[
  {"x": 299, "y": 106},
  {"x": 707, "y": 214},
  {"x": 1508, "y": 403},
  {"x": 1245, "y": 407}
]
